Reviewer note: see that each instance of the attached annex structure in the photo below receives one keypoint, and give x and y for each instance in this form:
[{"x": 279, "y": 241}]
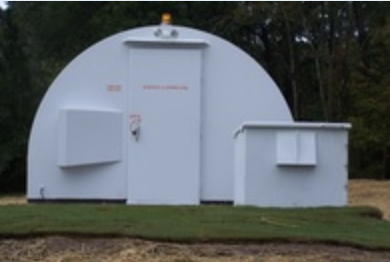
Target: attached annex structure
[{"x": 146, "y": 116}]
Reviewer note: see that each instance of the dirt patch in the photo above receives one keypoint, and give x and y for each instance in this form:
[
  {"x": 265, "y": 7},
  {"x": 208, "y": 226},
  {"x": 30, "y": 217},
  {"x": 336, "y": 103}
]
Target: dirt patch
[
  {"x": 64, "y": 249},
  {"x": 370, "y": 193},
  {"x": 13, "y": 200},
  {"x": 60, "y": 249}
]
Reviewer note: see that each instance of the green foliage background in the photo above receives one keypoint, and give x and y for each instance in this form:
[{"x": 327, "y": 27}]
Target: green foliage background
[{"x": 330, "y": 60}]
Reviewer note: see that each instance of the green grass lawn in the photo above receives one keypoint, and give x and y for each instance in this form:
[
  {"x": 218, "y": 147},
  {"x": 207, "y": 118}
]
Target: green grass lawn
[{"x": 355, "y": 226}]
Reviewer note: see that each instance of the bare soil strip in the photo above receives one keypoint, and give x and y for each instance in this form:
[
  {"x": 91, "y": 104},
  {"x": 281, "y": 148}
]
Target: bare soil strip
[
  {"x": 370, "y": 193},
  {"x": 13, "y": 201},
  {"x": 61, "y": 249}
]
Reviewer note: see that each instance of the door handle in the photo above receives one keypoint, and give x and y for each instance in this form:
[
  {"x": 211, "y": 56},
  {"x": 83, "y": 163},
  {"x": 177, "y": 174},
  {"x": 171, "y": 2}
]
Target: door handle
[{"x": 135, "y": 129}]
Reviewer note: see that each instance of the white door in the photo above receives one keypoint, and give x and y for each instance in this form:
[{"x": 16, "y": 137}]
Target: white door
[{"x": 164, "y": 125}]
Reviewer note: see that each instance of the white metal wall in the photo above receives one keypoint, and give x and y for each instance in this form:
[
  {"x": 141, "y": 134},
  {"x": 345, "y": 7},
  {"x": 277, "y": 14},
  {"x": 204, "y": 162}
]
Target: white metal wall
[{"x": 94, "y": 81}]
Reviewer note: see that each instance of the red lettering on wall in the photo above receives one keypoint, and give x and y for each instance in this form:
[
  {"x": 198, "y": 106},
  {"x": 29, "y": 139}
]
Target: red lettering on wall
[
  {"x": 114, "y": 88},
  {"x": 135, "y": 118},
  {"x": 165, "y": 87}
]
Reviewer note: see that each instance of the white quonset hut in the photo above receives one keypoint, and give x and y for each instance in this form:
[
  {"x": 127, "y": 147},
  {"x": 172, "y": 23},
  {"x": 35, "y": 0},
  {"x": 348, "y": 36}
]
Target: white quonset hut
[{"x": 147, "y": 116}]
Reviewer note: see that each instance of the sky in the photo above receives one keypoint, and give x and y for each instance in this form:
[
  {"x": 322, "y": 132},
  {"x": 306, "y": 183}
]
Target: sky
[{"x": 3, "y": 4}]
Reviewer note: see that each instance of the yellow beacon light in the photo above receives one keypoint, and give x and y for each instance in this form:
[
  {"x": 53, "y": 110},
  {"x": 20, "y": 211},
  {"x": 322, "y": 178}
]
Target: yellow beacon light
[{"x": 166, "y": 19}]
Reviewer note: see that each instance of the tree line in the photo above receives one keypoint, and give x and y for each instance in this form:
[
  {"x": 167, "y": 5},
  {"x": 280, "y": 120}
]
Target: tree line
[{"x": 328, "y": 58}]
